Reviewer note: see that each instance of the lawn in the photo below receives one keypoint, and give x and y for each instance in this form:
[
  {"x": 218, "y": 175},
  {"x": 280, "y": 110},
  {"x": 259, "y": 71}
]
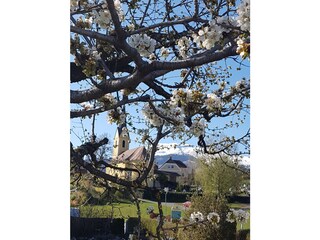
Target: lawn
[
  {"x": 120, "y": 210},
  {"x": 126, "y": 210}
]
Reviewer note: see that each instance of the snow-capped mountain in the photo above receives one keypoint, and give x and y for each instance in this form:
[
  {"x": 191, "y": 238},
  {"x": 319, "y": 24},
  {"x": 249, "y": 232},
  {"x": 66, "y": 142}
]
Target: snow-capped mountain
[
  {"x": 185, "y": 153},
  {"x": 181, "y": 152}
]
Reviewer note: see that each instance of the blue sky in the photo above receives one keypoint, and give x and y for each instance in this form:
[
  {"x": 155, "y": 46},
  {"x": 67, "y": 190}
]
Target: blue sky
[{"x": 105, "y": 128}]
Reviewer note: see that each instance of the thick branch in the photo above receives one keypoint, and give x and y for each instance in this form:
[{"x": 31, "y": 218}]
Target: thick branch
[
  {"x": 93, "y": 34},
  {"x": 83, "y": 113},
  {"x": 104, "y": 87},
  {"x": 204, "y": 58}
]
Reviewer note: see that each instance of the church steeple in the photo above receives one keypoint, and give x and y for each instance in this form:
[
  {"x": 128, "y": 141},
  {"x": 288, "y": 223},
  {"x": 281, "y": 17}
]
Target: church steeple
[{"x": 121, "y": 140}]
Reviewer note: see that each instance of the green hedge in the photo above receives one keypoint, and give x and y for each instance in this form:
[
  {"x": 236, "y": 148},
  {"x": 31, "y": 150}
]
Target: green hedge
[{"x": 178, "y": 197}]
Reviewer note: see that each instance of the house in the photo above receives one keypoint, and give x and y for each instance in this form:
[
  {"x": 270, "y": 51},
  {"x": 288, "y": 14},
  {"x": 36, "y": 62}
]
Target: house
[{"x": 176, "y": 171}]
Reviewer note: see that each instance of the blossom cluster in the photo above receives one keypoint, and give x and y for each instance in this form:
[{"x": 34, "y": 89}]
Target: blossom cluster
[
  {"x": 86, "y": 105},
  {"x": 244, "y": 15},
  {"x": 184, "y": 97},
  {"x": 108, "y": 100},
  {"x": 198, "y": 217},
  {"x": 198, "y": 127},
  {"x": 208, "y": 36},
  {"x": 153, "y": 118},
  {"x": 183, "y": 101},
  {"x": 164, "y": 52},
  {"x": 103, "y": 16},
  {"x": 240, "y": 85},
  {"x": 243, "y": 48},
  {"x": 73, "y": 5},
  {"x": 239, "y": 216},
  {"x": 116, "y": 116},
  {"x": 143, "y": 43},
  {"x": 175, "y": 114},
  {"x": 213, "y": 102},
  {"x": 184, "y": 46},
  {"x": 213, "y": 217}
]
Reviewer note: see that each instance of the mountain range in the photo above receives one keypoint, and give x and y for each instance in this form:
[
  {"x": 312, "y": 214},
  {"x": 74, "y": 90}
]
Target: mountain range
[{"x": 185, "y": 153}]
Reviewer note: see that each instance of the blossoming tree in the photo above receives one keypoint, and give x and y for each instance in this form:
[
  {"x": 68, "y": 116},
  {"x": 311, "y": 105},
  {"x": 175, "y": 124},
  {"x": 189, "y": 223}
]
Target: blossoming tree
[{"x": 169, "y": 61}]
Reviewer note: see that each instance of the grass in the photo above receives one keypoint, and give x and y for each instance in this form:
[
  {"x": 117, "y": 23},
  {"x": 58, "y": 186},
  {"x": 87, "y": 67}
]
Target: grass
[
  {"x": 126, "y": 210},
  {"x": 120, "y": 210}
]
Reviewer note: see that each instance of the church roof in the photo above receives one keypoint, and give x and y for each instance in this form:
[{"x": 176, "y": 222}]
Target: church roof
[{"x": 138, "y": 153}]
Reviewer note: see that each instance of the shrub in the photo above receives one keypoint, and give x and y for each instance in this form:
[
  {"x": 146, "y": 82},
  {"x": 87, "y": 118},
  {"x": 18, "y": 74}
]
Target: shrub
[
  {"x": 171, "y": 196},
  {"x": 208, "y": 231}
]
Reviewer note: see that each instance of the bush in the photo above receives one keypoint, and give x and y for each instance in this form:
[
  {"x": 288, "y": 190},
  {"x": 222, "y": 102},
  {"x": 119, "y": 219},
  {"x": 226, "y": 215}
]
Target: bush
[
  {"x": 178, "y": 197},
  {"x": 208, "y": 231},
  {"x": 238, "y": 199}
]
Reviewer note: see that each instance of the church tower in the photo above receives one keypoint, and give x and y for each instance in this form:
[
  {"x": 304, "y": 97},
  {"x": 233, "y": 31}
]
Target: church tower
[{"x": 121, "y": 141}]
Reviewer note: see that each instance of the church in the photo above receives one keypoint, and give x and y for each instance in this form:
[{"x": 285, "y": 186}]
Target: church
[
  {"x": 123, "y": 157},
  {"x": 175, "y": 171}
]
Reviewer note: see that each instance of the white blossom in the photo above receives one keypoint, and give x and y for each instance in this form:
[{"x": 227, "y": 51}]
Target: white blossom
[
  {"x": 244, "y": 15},
  {"x": 213, "y": 102},
  {"x": 240, "y": 85},
  {"x": 116, "y": 116},
  {"x": 177, "y": 97},
  {"x": 208, "y": 36},
  {"x": 109, "y": 99},
  {"x": 73, "y": 5},
  {"x": 196, "y": 217},
  {"x": 143, "y": 43},
  {"x": 228, "y": 21},
  {"x": 239, "y": 216},
  {"x": 103, "y": 17},
  {"x": 95, "y": 54},
  {"x": 152, "y": 117},
  {"x": 152, "y": 56},
  {"x": 213, "y": 217},
  {"x": 164, "y": 52},
  {"x": 184, "y": 45},
  {"x": 243, "y": 48},
  {"x": 198, "y": 127},
  {"x": 131, "y": 27},
  {"x": 86, "y": 106}
]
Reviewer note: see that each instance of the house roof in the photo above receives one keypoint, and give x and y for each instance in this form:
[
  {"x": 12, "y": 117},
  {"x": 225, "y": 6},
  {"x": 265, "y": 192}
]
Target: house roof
[
  {"x": 178, "y": 162},
  {"x": 138, "y": 153}
]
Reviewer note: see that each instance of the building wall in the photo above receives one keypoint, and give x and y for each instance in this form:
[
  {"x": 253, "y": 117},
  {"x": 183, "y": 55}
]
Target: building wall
[
  {"x": 128, "y": 175},
  {"x": 172, "y": 167}
]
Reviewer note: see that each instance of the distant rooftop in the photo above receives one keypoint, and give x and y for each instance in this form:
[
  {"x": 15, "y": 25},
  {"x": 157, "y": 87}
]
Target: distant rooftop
[{"x": 178, "y": 162}]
